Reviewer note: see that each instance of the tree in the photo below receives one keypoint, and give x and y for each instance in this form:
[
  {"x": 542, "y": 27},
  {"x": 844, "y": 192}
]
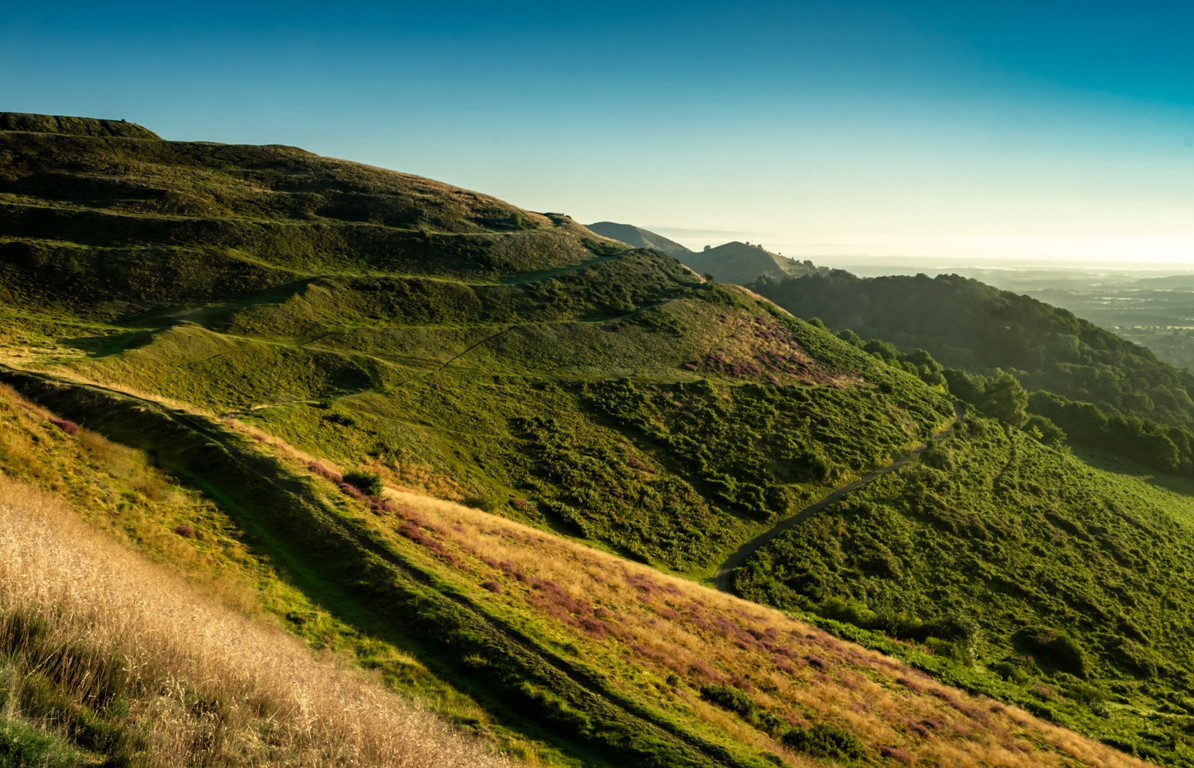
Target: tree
[{"x": 1006, "y": 400}]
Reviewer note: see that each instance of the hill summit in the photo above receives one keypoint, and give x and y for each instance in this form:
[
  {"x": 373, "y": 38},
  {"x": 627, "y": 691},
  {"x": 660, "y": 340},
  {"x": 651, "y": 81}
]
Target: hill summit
[{"x": 743, "y": 263}]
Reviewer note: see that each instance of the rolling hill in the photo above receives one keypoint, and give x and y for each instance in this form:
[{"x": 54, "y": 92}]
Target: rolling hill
[
  {"x": 735, "y": 262},
  {"x": 1100, "y": 389},
  {"x": 972, "y": 326},
  {"x": 743, "y": 264},
  {"x": 464, "y": 445},
  {"x": 637, "y": 237}
]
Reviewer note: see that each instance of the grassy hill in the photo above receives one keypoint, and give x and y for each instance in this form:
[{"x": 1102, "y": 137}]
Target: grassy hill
[
  {"x": 78, "y": 126},
  {"x": 1100, "y": 389},
  {"x": 557, "y": 653},
  {"x": 743, "y": 264},
  {"x": 141, "y": 668},
  {"x": 999, "y": 552},
  {"x": 287, "y": 335},
  {"x": 969, "y": 325},
  {"x": 637, "y": 237},
  {"x": 441, "y": 338}
]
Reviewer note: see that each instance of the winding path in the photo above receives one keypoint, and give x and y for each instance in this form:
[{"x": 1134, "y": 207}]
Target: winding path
[{"x": 722, "y": 580}]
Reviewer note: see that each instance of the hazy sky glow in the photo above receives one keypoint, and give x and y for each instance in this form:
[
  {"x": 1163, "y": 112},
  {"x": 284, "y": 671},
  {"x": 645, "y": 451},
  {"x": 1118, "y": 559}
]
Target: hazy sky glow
[{"x": 823, "y": 130}]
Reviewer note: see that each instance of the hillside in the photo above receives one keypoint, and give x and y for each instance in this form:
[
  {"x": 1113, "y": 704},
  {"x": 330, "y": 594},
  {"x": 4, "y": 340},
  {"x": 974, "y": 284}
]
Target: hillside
[
  {"x": 443, "y": 339},
  {"x": 969, "y": 325},
  {"x": 743, "y": 264},
  {"x": 78, "y": 126},
  {"x": 111, "y": 659},
  {"x": 428, "y": 432},
  {"x": 637, "y": 237},
  {"x": 558, "y": 653},
  {"x": 1002, "y": 553}
]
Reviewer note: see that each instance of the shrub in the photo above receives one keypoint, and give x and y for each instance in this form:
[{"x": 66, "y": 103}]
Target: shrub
[
  {"x": 734, "y": 700},
  {"x": 825, "y": 741},
  {"x": 483, "y": 503},
  {"x": 1055, "y": 648},
  {"x": 368, "y": 483},
  {"x": 1013, "y": 673}
]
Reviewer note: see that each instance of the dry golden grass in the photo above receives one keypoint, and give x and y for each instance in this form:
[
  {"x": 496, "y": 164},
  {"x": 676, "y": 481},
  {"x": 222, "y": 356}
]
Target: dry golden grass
[
  {"x": 663, "y": 637},
  {"x": 203, "y": 684}
]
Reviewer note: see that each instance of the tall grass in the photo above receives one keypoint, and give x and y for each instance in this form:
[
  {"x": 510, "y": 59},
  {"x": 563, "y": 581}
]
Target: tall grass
[
  {"x": 111, "y": 652},
  {"x": 669, "y": 642}
]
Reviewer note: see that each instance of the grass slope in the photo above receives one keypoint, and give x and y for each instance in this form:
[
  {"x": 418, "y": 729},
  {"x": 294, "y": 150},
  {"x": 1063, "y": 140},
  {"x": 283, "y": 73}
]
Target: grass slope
[
  {"x": 448, "y": 341},
  {"x": 460, "y": 347},
  {"x": 110, "y": 659},
  {"x": 992, "y": 549},
  {"x": 596, "y": 659}
]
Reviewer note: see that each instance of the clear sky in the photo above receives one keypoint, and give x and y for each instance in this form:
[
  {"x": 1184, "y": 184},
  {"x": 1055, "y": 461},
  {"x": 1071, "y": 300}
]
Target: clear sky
[{"x": 830, "y": 131}]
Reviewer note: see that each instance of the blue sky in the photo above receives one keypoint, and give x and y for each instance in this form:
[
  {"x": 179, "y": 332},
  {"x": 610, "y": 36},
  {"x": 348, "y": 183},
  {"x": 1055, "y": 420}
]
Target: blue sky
[{"x": 832, "y": 131}]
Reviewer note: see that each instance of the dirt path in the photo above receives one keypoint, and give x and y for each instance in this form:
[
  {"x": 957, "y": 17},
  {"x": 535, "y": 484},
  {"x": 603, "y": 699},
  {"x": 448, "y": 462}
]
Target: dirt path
[{"x": 722, "y": 580}]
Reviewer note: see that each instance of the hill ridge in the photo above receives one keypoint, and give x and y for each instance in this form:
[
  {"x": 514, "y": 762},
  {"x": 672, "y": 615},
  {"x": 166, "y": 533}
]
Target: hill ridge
[{"x": 76, "y": 126}]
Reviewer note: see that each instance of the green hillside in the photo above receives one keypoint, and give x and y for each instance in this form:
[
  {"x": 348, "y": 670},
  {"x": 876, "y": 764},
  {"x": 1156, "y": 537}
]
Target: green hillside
[
  {"x": 1100, "y": 389},
  {"x": 997, "y": 551},
  {"x": 550, "y": 651},
  {"x": 290, "y": 335},
  {"x": 79, "y": 126},
  {"x": 969, "y": 325},
  {"x": 445, "y": 340},
  {"x": 636, "y": 237}
]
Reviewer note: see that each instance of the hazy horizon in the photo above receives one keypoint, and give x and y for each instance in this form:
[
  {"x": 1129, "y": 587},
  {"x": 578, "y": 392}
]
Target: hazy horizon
[{"x": 822, "y": 130}]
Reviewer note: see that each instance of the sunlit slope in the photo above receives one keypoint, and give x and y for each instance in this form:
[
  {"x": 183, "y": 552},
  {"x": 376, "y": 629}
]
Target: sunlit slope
[
  {"x": 451, "y": 342},
  {"x": 110, "y": 657},
  {"x": 111, "y": 660},
  {"x": 743, "y": 263},
  {"x": 592, "y": 659},
  {"x": 1068, "y": 582}
]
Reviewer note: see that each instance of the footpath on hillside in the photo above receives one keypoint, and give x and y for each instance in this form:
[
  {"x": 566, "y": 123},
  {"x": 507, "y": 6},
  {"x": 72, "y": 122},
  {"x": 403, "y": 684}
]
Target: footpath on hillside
[{"x": 722, "y": 579}]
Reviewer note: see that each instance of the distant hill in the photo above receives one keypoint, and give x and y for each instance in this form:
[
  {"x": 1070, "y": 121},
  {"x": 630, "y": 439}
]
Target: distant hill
[
  {"x": 639, "y": 238},
  {"x": 735, "y": 262},
  {"x": 743, "y": 263},
  {"x": 967, "y": 324}
]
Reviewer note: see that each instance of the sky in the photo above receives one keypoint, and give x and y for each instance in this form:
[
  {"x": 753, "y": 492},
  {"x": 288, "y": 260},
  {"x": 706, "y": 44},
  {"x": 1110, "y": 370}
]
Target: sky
[{"x": 839, "y": 132}]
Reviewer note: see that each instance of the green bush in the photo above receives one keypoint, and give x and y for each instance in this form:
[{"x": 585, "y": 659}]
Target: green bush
[
  {"x": 1054, "y": 648},
  {"x": 825, "y": 741},
  {"x": 736, "y": 701},
  {"x": 365, "y": 482}
]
